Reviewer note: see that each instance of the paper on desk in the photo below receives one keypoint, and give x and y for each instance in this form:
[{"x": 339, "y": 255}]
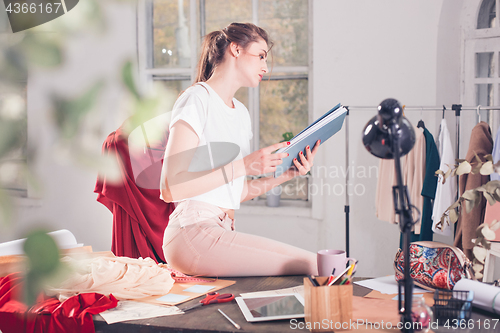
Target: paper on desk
[
  {"x": 293, "y": 290},
  {"x": 386, "y": 285},
  {"x": 485, "y": 296},
  {"x": 130, "y": 310}
]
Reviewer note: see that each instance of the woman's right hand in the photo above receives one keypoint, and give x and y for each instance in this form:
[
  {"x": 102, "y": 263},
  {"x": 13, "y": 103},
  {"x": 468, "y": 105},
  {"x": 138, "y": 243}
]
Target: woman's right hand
[{"x": 263, "y": 160}]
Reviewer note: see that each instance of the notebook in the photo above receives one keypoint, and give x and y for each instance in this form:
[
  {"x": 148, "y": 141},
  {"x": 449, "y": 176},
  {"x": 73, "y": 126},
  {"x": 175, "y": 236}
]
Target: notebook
[{"x": 322, "y": 129}]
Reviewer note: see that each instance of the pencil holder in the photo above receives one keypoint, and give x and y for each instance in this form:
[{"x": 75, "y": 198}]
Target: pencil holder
[{"x": 326, "y": 308}]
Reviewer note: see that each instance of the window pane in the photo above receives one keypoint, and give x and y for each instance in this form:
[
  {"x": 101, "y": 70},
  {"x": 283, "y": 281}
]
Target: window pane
[
  {"x": 14, "y": 160},
  {"x": 484, "y": 94},
  {"x": 171, "y": 34},
  {"x": 286, "y": 22},
  {"x": 485, "y": 64},
  {"x": 242, "y": 96},
  {"x": 220, "y": 13},
  {"x": 174, "y": 88},
  {"x": 487, "y": 15},
  {"x": 283, "y": 108}
]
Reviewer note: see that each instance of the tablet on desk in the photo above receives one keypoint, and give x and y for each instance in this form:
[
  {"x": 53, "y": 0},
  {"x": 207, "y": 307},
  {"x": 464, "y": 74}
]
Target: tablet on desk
[{"x": 273, "y": 307}]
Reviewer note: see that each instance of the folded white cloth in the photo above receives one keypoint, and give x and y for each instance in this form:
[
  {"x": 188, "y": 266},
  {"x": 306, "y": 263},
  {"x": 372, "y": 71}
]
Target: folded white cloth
[{"x": 125, "y": 278}]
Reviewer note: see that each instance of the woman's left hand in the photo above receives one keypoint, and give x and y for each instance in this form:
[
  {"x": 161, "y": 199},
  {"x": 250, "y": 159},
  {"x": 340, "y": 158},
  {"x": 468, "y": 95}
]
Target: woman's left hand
[{"x": 304, "y": 162}]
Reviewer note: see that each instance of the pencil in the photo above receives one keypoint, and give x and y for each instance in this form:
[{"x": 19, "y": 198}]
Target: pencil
[{"x": 230, "y": 320}]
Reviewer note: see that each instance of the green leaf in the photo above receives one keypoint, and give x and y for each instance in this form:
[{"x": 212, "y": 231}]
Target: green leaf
[
  {"x": 287, "y": 136},
  {"x": 490, "y": 198},
  {"x": 453, "y": 216},
  {"x": 477, "y": 267},
  {"x": 463, "y": 168},
  {"x": 488, "y": 157},
  {"x": 469, "y": 205},
  {"x": 470, "y": 195},
  {"x": 43, "y": 259},
  {"x": 128, "y": 79},
  {"x": 495, "y": 225},
  {"x": 69, "y": 112},
  {"x": 41, "y": 51},
  {"x": 476, "y": 168},
  {"x": 487, "y": 168},
  {"x": 479, "y": 253},
  {"x": 488, "y": 233},
  {"x": 485, "y": 243},
  {"x": 11, "y": 135}
]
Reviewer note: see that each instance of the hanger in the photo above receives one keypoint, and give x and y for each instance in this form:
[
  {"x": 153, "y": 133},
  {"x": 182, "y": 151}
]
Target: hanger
[
  {"x": 478, "y": 114},
  {"x": 444, "y": 109},
  {"x": 421, "y": 122}
]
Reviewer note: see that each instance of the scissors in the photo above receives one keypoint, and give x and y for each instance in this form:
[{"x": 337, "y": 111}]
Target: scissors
[{"x": 212, "y": 298}]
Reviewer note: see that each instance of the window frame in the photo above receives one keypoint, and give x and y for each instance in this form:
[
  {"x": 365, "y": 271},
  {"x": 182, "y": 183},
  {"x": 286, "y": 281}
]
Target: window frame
[
  {"x": 479, "y": 40},
  {"x": 148, "y": 74}
]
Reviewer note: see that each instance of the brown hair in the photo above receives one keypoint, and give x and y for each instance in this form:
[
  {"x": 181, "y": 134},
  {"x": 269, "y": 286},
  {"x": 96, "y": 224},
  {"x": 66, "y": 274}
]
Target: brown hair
[{"x": 215, "y": 45}]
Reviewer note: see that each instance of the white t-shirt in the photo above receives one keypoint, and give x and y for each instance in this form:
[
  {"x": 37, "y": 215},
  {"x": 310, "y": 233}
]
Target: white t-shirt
[{"x": 223, "y": 131}]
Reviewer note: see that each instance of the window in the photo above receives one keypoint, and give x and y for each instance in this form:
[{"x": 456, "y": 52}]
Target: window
[
  {"x": 173, "y": 33},
  {"x": 487, "y": 15},
  {"x": 482, "y": 59},
  {"x": 13, "y": 155},
  {"x": 13, "y": 159}
]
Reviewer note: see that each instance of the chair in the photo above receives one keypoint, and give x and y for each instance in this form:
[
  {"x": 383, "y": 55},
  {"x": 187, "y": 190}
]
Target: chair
[{"x": 139, "y": 215}]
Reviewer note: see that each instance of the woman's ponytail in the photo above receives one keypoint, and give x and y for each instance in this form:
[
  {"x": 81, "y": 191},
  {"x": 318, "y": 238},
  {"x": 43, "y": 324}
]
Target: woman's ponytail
[{"x": 212, "y": 52}]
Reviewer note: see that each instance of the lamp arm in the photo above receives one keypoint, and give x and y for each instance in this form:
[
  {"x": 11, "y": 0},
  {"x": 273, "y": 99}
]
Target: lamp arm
[{"x": 402, "y": 208}]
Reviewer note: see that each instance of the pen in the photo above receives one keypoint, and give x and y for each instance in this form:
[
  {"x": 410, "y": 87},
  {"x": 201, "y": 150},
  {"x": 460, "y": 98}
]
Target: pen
[
  {"x": 230, "y": 320},
  {"x": 313, "y": 281},
  {"x": 331, "y": 277},
  {"x": 338, "y": 277}
]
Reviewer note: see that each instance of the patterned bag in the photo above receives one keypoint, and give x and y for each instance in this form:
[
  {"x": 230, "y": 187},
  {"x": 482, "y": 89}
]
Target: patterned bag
[{"x": 434, "y": 265}]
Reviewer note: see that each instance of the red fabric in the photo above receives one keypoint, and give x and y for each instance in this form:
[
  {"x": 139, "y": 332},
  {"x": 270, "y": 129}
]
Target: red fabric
[
  {"x": 48, "y": 314},
  {"x": 139, "y": 215}
]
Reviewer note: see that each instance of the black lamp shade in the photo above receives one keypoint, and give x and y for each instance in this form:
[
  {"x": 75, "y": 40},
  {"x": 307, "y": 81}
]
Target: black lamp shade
[{"x": 377, "y": 136}]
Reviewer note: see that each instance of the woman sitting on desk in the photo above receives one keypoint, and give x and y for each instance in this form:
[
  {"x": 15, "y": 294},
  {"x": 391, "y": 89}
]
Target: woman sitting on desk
[{"x": 200, "y": 237}]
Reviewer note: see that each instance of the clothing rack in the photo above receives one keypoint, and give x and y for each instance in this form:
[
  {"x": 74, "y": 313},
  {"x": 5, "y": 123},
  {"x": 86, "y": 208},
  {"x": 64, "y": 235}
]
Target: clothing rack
[{"x": 457, "y": 108}]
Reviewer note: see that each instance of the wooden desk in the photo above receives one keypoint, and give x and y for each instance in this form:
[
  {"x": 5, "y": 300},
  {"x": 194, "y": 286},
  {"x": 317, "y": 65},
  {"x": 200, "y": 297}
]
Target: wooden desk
[{"x": 208, "y": 319}]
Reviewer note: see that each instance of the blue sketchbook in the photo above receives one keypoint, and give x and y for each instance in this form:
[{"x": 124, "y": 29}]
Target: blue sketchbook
[{"x": 322, "y": 129}]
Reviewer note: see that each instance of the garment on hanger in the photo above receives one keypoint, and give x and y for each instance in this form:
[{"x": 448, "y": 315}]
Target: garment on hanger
[
  {"x": 432, "y": 164},
  {"x": 413, "y": 171},
  {"x": 496, "y": 154},
  {"x": 492, "y": 213},
  {"x": 428, "y": 190},
  {"x": 445, "y": 193},
  {"x": 481, "y": 143}
]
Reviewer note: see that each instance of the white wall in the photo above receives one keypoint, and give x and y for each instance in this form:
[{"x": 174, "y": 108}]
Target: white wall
[{"x": 364, "y": 51}]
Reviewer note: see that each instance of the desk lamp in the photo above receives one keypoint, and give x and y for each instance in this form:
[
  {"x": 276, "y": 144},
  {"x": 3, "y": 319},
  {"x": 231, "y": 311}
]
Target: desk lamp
[{"x": 389, "y": 135}]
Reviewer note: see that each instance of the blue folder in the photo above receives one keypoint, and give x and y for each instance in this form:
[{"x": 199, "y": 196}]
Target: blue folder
[{"x": 322, "y": 129}]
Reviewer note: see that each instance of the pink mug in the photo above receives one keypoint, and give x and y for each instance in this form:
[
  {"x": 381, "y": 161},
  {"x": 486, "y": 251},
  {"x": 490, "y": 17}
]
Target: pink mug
[{"x": 330, "y": 259}]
